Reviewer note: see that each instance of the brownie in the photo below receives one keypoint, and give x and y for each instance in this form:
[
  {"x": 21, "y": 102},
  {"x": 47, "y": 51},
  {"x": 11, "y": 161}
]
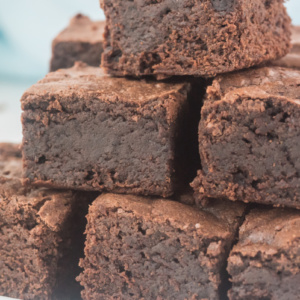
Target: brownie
[
  {"x": 265, "y": 263},
  {"x": 82, "y": 40},
  {"x": 39, "y": 236},
  {"x": 141, "y": 248},
  {"x": 86, "y": 130},
  {"x": 199, "y": 38},
  {"x": 292, "y": 59},
  {"x": 10, "y": 160},
  {"x": 249, "y": 138}
]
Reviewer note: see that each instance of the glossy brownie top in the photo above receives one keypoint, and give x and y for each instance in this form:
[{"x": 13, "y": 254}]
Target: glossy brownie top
[
  {"x": 257, "y": 82},
  {"x": 217, "y": 220},
  {"x": 268, "y": 230},
  {"x": 90, "y": 84},
  {"x": 82, "y": 29}
]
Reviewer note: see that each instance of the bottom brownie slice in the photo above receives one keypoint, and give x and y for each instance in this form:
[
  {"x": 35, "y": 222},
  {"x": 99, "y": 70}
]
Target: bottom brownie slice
[
  {"x": 39, "y": 238},
  {"x": 265, "y": 263},
  {"x": 141, "y": 248}
]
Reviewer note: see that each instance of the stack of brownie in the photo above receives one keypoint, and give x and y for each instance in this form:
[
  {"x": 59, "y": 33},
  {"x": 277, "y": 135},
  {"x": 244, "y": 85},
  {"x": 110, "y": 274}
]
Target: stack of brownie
[{"x": 184, "y": 145}]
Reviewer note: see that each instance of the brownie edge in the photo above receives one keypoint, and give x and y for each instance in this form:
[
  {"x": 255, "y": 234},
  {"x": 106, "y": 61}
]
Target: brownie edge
[
  {"x": 249, "y": 138},
  {"x": 265, "y": 263}
]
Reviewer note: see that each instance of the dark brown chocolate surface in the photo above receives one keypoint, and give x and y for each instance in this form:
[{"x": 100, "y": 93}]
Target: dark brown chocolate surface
[
  {"x": 249, "y": 138},
  {"x": 141, "y": 248},
  {"x": 82, "y": 41},
  {"x": 85, "y": 130},
  {"x": 199, "y": 38},
  {"x": 265, "y": 263},
  {"x": 38, "y": 254}
]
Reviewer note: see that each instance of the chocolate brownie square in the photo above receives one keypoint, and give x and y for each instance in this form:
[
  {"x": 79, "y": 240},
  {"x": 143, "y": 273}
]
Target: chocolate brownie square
[
  {"x": 198, "y": 38},
  {"x": 82, "y": 40},
  {"x": 85, "y": 130},
  {"x": 265, "y": 263},
  {"x": 40, "y": 237},
  {"x": 141, "y": 248},
  {"x": 249, "y": 138},
  {"x": 292, "y": 59}
]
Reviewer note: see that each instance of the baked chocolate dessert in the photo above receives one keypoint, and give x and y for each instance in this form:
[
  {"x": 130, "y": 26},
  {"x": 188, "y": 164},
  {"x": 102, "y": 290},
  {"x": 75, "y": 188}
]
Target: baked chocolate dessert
[
  {"x": 41, "y": 235},
  {"x": 249, "y": 138},
  {"x": 85, "y": 130},
  {"x": 265, "y": 263},
  {"x": 292, "y": 59},
  {"x": 141, "y": 248},
  {"x": 198, "y": 38},
  {"x": 82, "y": 41}
]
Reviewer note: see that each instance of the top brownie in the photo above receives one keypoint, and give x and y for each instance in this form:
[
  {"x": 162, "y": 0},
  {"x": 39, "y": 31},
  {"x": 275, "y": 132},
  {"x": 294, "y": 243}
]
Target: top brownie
[
  {"x": 82, "y": 41},
  {"x": 249, "y": 138},
  {"x": 199, "y": 38},
  {"x": 85, "y": 130}
]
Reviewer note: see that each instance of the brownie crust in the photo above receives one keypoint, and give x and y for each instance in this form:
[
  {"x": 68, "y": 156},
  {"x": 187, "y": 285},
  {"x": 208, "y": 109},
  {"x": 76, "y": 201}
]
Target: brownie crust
[
  {"x": 141, "y": 248},
  {"x": 265, "y": 263},
  {"x": 82, "y": 41},
  {"x": 198, "y": 38},
  {"x": 249, "y": 138},
  {"x": 85, "y": 130}
]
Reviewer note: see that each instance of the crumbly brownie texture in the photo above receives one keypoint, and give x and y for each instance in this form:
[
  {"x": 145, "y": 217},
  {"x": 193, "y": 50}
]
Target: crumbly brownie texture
[
  {"x": 199, "y": 38},
  {"x": 265, "y": 263},
  {"x": 82, "y": 40},
  {"x": 85, "y": 130},
  {"x": 141, "y": 248},
  {"x": 292, "y": 59},
  {"x": 35, "y": 236},
  {"x": 249, "y": 138}
]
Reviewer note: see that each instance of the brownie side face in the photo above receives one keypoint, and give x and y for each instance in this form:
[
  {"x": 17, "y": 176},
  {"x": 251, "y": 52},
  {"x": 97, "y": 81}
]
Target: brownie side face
[
  {"x": 141, "y": 248},
  {"x": 85, "y": 130},
  {"x": 265, "y": 262},
  {"x": 199, "y": 38},
  {"x": 249, "y": 138},
  {"x": 35, "y": 233},
  {"x": 82, "y": 41}
]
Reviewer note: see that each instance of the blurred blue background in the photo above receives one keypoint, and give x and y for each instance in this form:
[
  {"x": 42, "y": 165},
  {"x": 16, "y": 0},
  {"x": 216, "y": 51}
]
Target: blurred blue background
[{"x": 27, "y": 28}]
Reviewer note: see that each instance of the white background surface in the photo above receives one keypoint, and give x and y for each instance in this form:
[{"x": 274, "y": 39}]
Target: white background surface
[{"x": 27, "y": 28}]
